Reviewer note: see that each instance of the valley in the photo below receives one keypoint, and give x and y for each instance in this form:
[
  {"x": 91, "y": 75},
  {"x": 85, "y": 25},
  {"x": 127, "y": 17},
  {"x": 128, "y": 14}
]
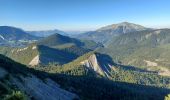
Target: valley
[{"x": 122, "y": 61}]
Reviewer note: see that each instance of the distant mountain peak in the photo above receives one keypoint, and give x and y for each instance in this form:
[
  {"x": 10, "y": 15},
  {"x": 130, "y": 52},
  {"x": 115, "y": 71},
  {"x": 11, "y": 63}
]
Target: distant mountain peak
[
  {"x": 46, "y": 33},
  {"x": 56, "y": 34},
  {"x": 104, "y": 34},
  {"x": 125, "y": 23},
  {"x": 123, "y": 27},
  {"x": 58, "y": 39}
]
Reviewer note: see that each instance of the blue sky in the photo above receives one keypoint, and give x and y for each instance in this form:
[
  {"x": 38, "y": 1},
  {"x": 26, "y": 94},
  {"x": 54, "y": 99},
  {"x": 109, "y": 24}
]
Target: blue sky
[{"x": 72, "y": 15}]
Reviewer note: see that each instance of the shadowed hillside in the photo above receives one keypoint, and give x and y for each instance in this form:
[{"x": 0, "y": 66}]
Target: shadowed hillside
[{"x": 82, "y": 85}]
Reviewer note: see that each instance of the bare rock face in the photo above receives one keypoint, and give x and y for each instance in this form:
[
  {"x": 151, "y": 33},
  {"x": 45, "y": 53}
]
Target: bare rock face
[
  {"x": 98, "y": 64},
  {"x": 150, "y": 63},
  {"x": 35, "y": 61},
  {"x": 164, "y": 72},
  {"x": 36, "y": 88},
  {"x": 42, "y": 90},
  {"x": 92, "y": 63}
]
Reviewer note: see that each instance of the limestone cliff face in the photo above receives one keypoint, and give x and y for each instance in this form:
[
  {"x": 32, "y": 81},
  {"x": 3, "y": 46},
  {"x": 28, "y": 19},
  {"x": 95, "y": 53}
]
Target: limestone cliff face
[
  {"x": 36, "y": 88},
  {"x": 40, "y": 90},
  {"x": 35, "y": 61},
  {"x": 99, "y": 64},
  {"x": 92, "y": 63}
]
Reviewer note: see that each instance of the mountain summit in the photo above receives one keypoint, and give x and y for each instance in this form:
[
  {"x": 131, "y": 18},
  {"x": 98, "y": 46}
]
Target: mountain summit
[
  {"x": 57, "y": 39},
  {"x": 123, "y": 27},
  {"x": 46, "y": 33},
  {"x": 106, "y": 33}
]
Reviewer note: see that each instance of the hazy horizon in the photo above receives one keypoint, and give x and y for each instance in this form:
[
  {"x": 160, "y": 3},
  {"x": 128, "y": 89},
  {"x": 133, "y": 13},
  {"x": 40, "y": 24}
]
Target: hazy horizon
[{"x": 84, "y": 15}]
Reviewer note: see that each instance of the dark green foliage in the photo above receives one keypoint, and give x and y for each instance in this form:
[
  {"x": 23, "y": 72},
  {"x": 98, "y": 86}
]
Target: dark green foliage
[
  {"x": 87, "y": 84},
  {"x": 74, "y": 50},
  {"x": 60, "y": 41},
  {"x": 48, "y": 54},
  {"x": 3, "y": 90},
  {"x": 22, "y": 55},
  {"x": 56, "y": 49},
  {"x": 91, "y": 44},
  {"x": 57, "y": 39},
  {"x": 91, "y": 86},
  {"x": 16, "y": 95},
  {"x": 139, "y": 76}
]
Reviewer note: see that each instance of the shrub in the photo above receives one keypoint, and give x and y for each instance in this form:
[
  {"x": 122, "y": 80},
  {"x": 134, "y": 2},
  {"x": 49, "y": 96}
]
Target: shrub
[{"x": 16, "y": 95}]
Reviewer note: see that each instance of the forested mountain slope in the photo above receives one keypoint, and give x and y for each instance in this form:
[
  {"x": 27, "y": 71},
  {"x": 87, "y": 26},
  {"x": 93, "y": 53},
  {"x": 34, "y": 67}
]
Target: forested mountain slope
[
  {"x": 56, "y": 49},
  {"x": 28, "y": 85},
  {"x": 148, "y": 49},
  {"x": 90, "y": 81}
]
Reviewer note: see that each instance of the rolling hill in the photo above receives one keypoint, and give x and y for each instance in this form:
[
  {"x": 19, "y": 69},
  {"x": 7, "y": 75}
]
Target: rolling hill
[
  {"x": 38, "y": 54},
  {"x": 11, "y": 36},
  {"x": 58, "y": 41},
  {"x": 56, "y": 49},
  {"x": 46, "y": 33}
]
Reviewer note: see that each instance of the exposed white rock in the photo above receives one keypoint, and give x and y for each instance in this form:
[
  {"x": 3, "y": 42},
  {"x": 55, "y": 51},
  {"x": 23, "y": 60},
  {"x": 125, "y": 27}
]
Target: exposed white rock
[
  {"x": 127, "y": 27},
  {"x": 34, "y": 47},
  {"x": 150, "y": 63},
  {"x": 100, "y": 68},
  {"x": 35, "y": 61},
  {"x": 160, "y": 70},
  {"x": 93, "y": 64},
  {"x": 22, "y": 49},
  {"x": 12, "y": 51},
  {"x": 164, "y": 72},
  {"x": 148, "y": 35},
  {"x": 155, "y": 32},
  {"x": 42, "y": 90},
  {"x": 2, "y": 37}
]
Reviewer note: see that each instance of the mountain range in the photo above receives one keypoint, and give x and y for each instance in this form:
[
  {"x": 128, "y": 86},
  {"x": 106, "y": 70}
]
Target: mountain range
[
  {"x": 123, "y": 61},
  {"x": 46, "y": 33},
  {"x": 104, "y": 34},
  {"x": 56, "y": 48},
  {"x": 14, "y": 36},
  {"x": 144, "y": 49}
]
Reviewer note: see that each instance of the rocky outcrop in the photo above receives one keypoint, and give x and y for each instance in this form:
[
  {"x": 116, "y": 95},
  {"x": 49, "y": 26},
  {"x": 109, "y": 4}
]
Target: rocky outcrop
[
  {"x": 99, "y": 64},
  {"x": 35, "y": 61},
  {"x": 17, "y": 77},
  {"x": 164, "y": 72},
  {"x": 92, "y": 63},
  {"x": 42, "y": 90},
  {"x": 150, "y": 63}
]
